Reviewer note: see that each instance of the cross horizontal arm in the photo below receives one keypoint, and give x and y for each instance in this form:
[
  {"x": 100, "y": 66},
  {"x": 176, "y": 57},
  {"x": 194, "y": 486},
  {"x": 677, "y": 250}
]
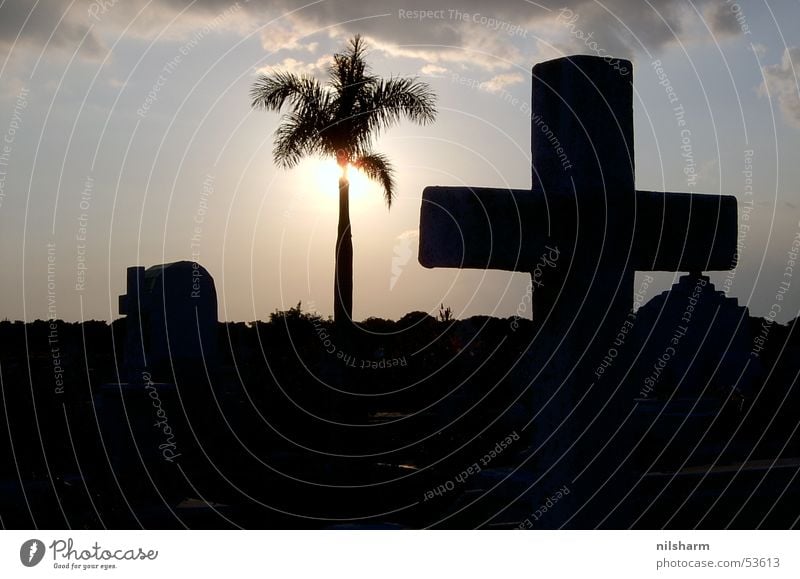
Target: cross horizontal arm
[
  {"x": 507, "y": 229},
  {"x": 685, "y": 232},
  {"x": 481, "y": 227}
]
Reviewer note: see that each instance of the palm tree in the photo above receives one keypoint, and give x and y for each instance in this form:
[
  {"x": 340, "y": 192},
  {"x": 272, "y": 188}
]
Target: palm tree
[{"x": 341, "y": 119}]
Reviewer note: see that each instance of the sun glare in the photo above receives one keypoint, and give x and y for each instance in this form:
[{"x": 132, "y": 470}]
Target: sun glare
[{"x": 327, "y": 173}]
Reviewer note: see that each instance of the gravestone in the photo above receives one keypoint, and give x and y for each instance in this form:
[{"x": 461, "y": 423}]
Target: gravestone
[
  {"x": 696, "y": 342},
  {"x": 148, "y": 421},
  {"x": 691, "y": 378},
  {"x": 171, "y": 314},
  {"x": 585, "y": 220}
]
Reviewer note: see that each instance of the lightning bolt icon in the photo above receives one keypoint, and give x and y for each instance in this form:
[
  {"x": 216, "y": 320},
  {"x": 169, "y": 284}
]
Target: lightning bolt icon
[{"x": 34, "y": 548}]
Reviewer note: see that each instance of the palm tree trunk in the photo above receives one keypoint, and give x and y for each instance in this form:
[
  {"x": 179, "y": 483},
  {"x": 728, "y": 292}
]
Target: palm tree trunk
[{"x": 343, "y": 277}]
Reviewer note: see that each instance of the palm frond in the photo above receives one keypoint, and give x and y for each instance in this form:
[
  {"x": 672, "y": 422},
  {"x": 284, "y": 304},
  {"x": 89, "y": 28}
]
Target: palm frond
[
  {"x": 350, "y": 70},
  {"x": 377, "y": 167},
  {"x": 272, "y": 91},
  {"x": 295, "y": 137},
  {"x": 398, "y": 98}
]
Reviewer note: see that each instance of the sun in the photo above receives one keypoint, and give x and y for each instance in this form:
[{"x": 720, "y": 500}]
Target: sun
[{"x": 327, "y": 174}]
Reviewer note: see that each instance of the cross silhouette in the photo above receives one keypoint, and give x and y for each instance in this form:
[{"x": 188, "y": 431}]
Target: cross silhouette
[
  {"x": 582, "y": 231},
  {"x": 583, "y": 203}
]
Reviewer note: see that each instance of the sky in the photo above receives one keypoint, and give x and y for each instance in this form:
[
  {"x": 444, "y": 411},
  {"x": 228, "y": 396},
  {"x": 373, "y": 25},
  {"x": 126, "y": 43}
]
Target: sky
[{"x": 128, "y": 139}]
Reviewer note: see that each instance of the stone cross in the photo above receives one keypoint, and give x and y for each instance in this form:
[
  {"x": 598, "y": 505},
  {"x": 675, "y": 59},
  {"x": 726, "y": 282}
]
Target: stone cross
[
  {"x": 582, "y": 231},
  {"x": 583, "y": 203}
]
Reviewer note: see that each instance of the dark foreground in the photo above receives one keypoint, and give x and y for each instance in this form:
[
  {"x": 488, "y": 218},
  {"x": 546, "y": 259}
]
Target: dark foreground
[{"x": 418, "y": 423}]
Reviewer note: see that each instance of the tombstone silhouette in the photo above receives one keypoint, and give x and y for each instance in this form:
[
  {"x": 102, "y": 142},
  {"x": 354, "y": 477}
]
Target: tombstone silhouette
[
  {"x": 171, "y": 314},
  {"x": 583, "y": 209},
  {"x": 170, "y": 348}
]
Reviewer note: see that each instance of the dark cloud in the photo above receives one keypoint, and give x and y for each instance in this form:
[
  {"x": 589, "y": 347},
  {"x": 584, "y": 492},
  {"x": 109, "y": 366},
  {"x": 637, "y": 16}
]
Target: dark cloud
[
  {"x": 722, "y": 19},
  {"x": 48, "y": 24},
  {"x": 463, "y": 32},
  {"x": 476, "y": 32}
]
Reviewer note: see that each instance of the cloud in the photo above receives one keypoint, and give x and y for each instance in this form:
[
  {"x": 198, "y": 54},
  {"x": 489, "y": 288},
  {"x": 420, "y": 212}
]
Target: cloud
[
  {"x": 499, "y": 36},
  {"x": 468, "y": 33},
  {"x": 482, "y": 52},
  {"x": 780, "y": 82},
  {"x": 284, "y": 36},
  {"x": 432, "y": 70},
  {"x": 722, "y": 19},
  {"x": 759, "y": 49},
  {"x": 315, "y": 68},
  {"x": 501, "y": 81},
  {"x": 62, "y": 26},
  {"x": 176, "y": 21},
  {"x": 613, "y": 28}
]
